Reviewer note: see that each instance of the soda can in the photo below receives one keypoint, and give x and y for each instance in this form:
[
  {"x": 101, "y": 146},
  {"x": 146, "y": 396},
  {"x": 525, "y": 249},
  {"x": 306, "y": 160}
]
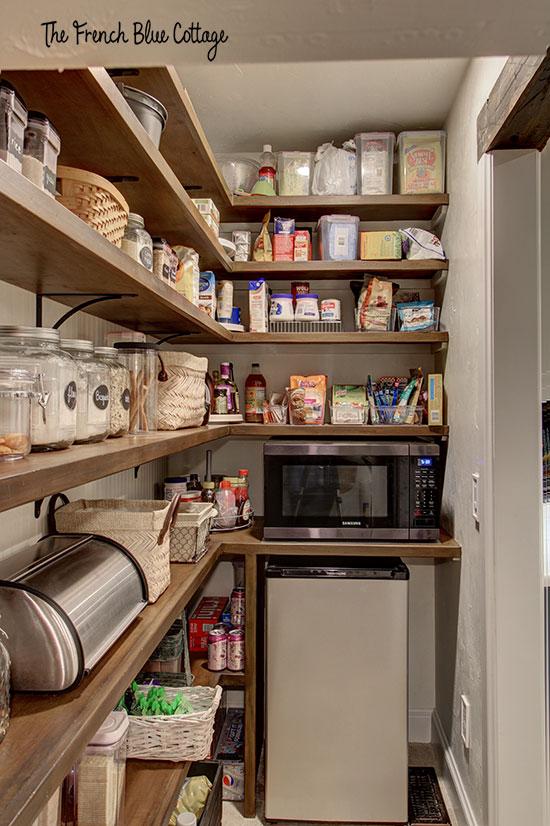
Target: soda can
[
  {"x": 217, "y": 649},
  {"x": 237, "y": 607},
  {"x": 235, "y": 650}
]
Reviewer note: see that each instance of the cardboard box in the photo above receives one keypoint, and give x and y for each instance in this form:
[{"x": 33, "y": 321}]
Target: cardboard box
[
  {"x": 380, "y": 246},
  {"x": 302, "y": 245},
  {"x": 435, "y": 398},
  {"x": 206, "y": 206},
  {"x": 204, "y": 617},
  {"x": 283, "y": 247}
]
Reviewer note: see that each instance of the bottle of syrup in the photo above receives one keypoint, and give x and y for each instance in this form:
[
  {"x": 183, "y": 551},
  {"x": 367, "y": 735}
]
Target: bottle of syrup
[{"x": 255, "y": 392}]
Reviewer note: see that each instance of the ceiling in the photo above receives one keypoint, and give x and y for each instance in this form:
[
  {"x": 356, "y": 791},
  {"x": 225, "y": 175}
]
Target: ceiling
[{"x": 301, "y": 105}]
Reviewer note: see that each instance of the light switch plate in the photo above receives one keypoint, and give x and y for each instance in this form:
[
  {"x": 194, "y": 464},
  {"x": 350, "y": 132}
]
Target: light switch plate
[{"x": 475, "y": 497}]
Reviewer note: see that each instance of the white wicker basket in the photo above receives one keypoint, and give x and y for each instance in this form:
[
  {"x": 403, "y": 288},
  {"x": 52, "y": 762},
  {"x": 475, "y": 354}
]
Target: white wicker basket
[
  {"x": 189, "y": 532},
  {"x": 178, "y": 737},
  {"x": 181, "y": 398},
  {"x": 141, "y": 526}
]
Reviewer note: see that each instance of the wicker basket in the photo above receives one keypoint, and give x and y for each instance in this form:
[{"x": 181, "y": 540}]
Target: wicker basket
[
  {"x": 178, "y": 737},
  {"x": 190, "y": 530},
  {"x": 95, "y": 200},
  {"x": 181, "y": 398},
  {"x": 140, "y": 526}
]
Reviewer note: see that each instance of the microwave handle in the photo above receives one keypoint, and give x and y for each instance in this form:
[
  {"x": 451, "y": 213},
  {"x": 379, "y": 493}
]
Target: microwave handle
[{"x": 337, "y": 449}]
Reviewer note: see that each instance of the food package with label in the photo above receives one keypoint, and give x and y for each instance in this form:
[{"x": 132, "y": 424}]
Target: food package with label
[
  {"x": 263, "y": 250},
  {"x": 242, "y": 238},
  {"x": 202, "y": 620},
  {"x": 188, "y": 273},
  {"x": 375, "y": 162},
  {"x": 284, "y": 226},
  {"x": 421, "y": 161},
  {"x": 337, "y": 236},
  {"x": 294, "y": 173},
  {"x": 381, "y": 246},
  {"x": 283, "y": 247},
  {"x": 206, "y": 206},
  {"x": 435, "y": 399},
  {"x": 335, "y": 170},
  {"x": 416, "y": 316},
  {"x": 258, "y": 306},
  {"x": 230, "y": 751},
  {"x": 421, "y": 245},
  {"x": 306, "y": 399},
  {"x": 207, "y": 293},
  {"x": 302, "y": 245},
  {"x": 349, "y": 404},
  {"x": 375, "y": 305}
]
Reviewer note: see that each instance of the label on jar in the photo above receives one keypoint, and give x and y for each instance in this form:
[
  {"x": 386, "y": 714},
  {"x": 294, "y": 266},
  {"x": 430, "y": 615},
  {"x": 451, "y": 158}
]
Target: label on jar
[
  {"x": 146, "y": 257},
  {"x": 70, "y": 395},
  {"x": 254, "y": 401},
  {"x": 125, "y": 399},
  {"x": 101, "y": 397},
  {"x": 50, "y": 180}
]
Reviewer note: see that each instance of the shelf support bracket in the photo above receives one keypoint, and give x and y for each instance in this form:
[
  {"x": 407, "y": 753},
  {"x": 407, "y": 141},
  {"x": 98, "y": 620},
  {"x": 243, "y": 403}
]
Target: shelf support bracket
[
  {"x": 38, "y": 507},
  {"x": 136, "y": 471},
  {"x": 91, "y": 298}
]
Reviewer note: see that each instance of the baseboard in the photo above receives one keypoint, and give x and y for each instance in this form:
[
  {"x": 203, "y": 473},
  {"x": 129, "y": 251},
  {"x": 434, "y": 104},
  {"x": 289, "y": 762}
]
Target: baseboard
[
  {"x": 420, "y": 725},
  {"x": 451, "y": 766}
]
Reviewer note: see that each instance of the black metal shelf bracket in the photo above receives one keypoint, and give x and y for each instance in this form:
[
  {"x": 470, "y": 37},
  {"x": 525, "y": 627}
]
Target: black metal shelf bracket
[{"x": 92, "y": 298}]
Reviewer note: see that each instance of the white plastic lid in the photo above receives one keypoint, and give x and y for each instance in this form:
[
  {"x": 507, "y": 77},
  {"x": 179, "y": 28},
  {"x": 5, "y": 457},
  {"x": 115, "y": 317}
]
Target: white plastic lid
[
  {"x": 268, "y": 147},
  {"x": 186, "y": 819},
  {"x": 113, "y": 729}
]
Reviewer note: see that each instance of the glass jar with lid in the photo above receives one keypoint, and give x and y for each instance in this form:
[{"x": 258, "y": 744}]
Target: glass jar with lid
[
  {"x": 53, "y": 408},
  {"x": 16, "y": 391},
  {"x": 119, "y": 401},
  {"x": 141, "y": 360},
  {"x": 93, "y": 380},
  {"x": 137, "y": 242}
]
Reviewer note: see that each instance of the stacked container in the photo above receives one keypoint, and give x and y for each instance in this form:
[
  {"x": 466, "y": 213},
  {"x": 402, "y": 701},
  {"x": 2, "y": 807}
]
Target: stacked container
[
  {"x": 41, "y": 148},
  {"x": 337, "y": 236},
  {"x": 102, "y": 774},
  {"x": 13, "y": 120},
  {"x": 421, "y": 160},
  {"x": 294, "y": 173},
  {"x": 374, "y": 152}
]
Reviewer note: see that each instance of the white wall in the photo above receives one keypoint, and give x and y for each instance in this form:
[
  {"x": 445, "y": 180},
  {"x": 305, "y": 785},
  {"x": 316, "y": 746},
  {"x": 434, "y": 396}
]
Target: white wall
[{"x": 460, "y": 588}]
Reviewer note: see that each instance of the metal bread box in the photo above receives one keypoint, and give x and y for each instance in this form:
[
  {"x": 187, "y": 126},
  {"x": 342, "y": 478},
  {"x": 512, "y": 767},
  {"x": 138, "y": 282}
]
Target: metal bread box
[{"x": 64, "y": 601}]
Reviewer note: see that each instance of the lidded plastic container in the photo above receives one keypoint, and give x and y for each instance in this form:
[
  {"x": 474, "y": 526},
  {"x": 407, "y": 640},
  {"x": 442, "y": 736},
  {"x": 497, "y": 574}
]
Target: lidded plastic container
[
  {"x": 102, "y": 774},
  {"x": 141, "y": 359},
  {"x": 119, "y": 391},
  {"x": 13, "y": 120},
  {"x": 374, "y": 153},
  {"x": 41, "y": 148},
  {"x": 294, "y": 173},
  {"x": 93, "y": 381},
  {"x": 337, "y": 237},
  {"x": 307, "y": 307},
  {"x": 53, "y": 409},
  {"x": 281, "y": 307},
  {"x": 137, "y": 242},
  {"x": 421, "y": 162},
  {"x": 17, "y": 387}
]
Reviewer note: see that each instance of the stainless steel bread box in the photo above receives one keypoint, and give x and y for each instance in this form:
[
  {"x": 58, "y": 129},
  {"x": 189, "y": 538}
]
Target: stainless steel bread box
[{"x": 64, "y": 601}]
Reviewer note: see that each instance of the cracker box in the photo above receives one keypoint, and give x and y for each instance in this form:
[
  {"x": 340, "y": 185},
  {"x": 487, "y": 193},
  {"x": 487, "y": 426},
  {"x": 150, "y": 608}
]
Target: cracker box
[
  {"x": 204, "y": 617},
  {"x": 435, "y": 398},
  {"x": 380, "y": 246}
]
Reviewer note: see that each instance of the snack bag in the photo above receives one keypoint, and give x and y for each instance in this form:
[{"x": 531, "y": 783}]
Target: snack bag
[
  {"x": 415, "y": 316},
  {"x": 308, "y": 405},
  {"x": 375, "y": 305},
  {"x": 263, "y": 251},
  {"x": 420, "y": 244}
]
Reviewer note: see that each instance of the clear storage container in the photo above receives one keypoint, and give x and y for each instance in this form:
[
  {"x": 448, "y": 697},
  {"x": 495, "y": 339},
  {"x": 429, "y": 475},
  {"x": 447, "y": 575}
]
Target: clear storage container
[
  {"x": 16, "y": 391},
  {"x": 374, "y": 153},
  {"x": 142, "y": 361},
  {"x": 93, "y": 380},
  {"x": 53, "y": 419},
  {"x": 421, "y": 161},
  {"x": 294, "y": 172},
  {"x": 337, "y": 237},
  {"x": 102, "y": 774},
  {"x": 13, "y": 120},
  {"x": 119, "y": 391},
  {"x": 41, "y": 148},
  {"x": 137, "y": 242}
]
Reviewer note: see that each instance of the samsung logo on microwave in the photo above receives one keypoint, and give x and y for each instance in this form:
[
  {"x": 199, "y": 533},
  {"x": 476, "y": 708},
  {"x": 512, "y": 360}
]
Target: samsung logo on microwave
[{"x": 352, "y": 523}]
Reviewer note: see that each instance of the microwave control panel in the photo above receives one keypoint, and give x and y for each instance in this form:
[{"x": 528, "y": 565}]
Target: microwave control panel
[{"x": 425, "y": 491}]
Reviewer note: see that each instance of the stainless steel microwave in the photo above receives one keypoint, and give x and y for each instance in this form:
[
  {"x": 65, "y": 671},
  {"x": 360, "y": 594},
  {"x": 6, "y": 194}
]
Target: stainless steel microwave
[{"x": 352, "y": 490}]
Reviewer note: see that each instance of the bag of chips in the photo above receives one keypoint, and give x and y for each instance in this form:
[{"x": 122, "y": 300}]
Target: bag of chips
[
  {"x": 306, "y": 399},
  {"x": 375, "y": 305}
]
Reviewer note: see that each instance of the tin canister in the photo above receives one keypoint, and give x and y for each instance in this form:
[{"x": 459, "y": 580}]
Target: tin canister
[
  {"x": 235, "y": 650},
  {"x": 330, "y": 309},
  {"x": 217, "y": 649},
  {"x": 237, "y": 607}
]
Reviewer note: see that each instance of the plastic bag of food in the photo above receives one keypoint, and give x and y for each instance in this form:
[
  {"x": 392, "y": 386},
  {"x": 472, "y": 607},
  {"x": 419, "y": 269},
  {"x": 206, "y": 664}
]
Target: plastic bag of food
[
  {"x": 375, "y": 305},
  {"x": 306, "y": 399},
  {"x": 192, "y": 797},
  {"x": 415, "y": 316},
  {"x": 263, "y": 250},
  {"x": 420, "y": 244},
  {"x": 335, "y": 170}
]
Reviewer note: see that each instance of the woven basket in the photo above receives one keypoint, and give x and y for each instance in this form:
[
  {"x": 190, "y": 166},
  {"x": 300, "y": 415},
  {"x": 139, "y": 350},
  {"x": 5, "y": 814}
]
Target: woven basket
[
  {"x": 190, "y": 530},
  {"x": 178, "y": 737},
  {"x": 181, "y": 399},
  {"x": 142, "y": 527},
  {"x": 95, "y": 200}
]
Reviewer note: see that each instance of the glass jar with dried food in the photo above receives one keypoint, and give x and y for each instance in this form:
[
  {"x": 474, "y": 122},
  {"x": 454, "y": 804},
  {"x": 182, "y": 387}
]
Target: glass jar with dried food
[
  {"x": 93, "y": 381},
  {"x": 137, "y": 242},
  {"x": 141, "y": 360},
  {"x": 119, "y": 391},
  {"x": 16, "y": 391}
]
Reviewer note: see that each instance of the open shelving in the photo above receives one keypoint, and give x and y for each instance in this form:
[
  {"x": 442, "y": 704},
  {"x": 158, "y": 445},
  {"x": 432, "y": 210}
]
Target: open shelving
[{"x": 335, "y": 269}]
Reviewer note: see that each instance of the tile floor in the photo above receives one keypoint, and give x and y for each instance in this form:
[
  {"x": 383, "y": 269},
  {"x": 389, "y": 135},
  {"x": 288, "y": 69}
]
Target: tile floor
[{"x": 420, "y": 754}]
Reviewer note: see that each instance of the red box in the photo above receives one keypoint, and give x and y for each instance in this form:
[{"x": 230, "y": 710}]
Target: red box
[
  {"x": 302, "y": 245},
  {"x": 207, "y": 614},
  {"x": 283, "y": 247}
]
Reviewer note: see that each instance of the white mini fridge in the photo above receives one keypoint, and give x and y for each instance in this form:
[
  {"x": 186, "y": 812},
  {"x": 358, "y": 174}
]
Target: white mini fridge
[{"x": 336, "y": 690}]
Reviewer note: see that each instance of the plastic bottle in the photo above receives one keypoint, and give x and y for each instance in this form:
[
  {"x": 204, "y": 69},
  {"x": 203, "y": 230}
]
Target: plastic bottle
[
  {"x": 208, "y": 493},
  {"x": 186, "y": 819},
  {"x": 242, "y": 496},
  {"x": 268, "y": 166},
  {"x": 225, "y": 501},
  {"x": 254, "y": 394}
]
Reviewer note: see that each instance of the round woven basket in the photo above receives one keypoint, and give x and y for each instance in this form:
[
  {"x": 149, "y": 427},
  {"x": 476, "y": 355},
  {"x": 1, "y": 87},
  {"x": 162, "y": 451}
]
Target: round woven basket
[{"x": 95, "y": 200}]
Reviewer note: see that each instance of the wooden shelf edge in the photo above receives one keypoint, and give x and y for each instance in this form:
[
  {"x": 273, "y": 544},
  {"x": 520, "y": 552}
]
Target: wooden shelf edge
[
  {"x": 204, "y": 677},
  {"x": 441, "y": 337},
  {"x": 268, "y": 431},
  {"x": 152, "y": 790}
]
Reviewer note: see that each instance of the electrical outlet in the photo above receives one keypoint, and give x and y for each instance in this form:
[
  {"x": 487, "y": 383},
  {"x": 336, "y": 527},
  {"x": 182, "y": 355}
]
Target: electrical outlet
[
  {"x": 475, "y": 497},
  {"x": 465, "y": 720}
]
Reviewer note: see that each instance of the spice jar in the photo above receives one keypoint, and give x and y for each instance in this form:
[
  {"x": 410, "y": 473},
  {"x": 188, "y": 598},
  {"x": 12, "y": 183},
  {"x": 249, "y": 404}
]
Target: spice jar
[
  {"x": 53, "y": 419},
  {"x": 102, "y": 774},
  {"x": 137, "y": 242},
  {"x": 13, "y": 119},
  {"x": 4, "y": 686},
  {"x": 41, "y": 148},
  {"x": 93, "y": 380},
  {"x": 141, "y": 360},
  {"x": 16, "y": 391},
  {"x": 119, "y": 391}
]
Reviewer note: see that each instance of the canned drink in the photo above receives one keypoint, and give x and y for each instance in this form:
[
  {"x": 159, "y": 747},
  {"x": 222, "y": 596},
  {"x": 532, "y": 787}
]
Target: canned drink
[
  {"x": 235, "y": 650},
  {"x": 237, "y": 607},
  {"x": 217, "y": 649},
  {"x": 330, "y": 309}
]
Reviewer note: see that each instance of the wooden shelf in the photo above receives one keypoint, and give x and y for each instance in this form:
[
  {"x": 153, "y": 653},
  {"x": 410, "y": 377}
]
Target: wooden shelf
[
  {"x": 114, "y": 144},
  {"x": 341, "y": 338},
  {"x": 152, "y": 790},
  {"x": 309, "y": 208},
  {"x": 250, "y": 541},
  {"x": 266, "y": 431},
  {"x": 203, "y": 676},
  {"x": 324, "y": 270},
  {"x": 48, "y": 732}
]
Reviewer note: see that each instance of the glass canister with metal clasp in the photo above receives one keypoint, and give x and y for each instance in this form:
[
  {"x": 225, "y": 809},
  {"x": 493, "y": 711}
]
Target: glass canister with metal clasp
[{"x": 93, "y": 382}]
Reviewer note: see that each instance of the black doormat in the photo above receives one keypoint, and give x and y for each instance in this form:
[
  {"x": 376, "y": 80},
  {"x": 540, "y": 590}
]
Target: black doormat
[{"x": 425, "y": 799}]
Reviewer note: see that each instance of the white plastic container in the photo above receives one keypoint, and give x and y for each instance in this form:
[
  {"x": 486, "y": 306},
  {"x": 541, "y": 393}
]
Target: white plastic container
[
  {"x": 374, "y": 152},
  {"x": 337, "y": 237},
  {"x": 225, "y": 504},
  {"x": 421, "y": 161},
  {"x": 307, "y": 307},
  {"x": 294, "y": 173},
  {"x": 102, "y": 774},
  {"x": 331, "y": 309},
  {"x": 281, "y": 307}
]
